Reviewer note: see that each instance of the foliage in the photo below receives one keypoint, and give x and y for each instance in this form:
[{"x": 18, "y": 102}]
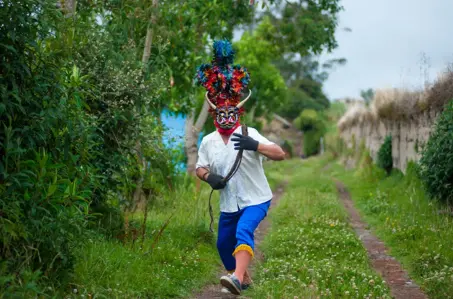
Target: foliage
[
  {"x": 74, "y": 103},
  {"x": 366, "y": 170},
  {"x": 436, "y": 163},
  {"x": 384, "y": 155},
  {"x": 311, "y": 250},
  {"x": 48, "y": 146},
  {"x": 335, "y": 112},
  {"x": 79, "y": 114},
  {"x": 312, "y": 124},
  {"x": 267, "y": 85},
  {"x": 111, "y": 269},
  {"x": 297, "y": 100},
  {"x": 335, "y": 145},
  {"x": 367, "y": 95},
  {"x": 299, "y": 31},
  {"x": 305, "y": 27}
]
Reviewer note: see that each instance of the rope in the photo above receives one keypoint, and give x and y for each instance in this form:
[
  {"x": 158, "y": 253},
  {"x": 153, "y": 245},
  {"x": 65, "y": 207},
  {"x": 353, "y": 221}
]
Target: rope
[{"x": 230, "y": 174}]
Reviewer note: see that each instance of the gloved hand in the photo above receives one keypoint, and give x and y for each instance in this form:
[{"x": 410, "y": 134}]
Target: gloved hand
[
  {"x": 215, "y": 181},
  {"x": 245, "y": 142}
]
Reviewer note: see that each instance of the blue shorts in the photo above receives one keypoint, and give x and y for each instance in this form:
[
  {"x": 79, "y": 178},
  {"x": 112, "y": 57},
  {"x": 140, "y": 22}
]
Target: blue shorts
[{"x": 236, "y": 232}]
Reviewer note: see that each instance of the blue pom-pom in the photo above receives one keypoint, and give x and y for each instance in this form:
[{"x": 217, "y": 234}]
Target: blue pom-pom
[
  {"x": 223, "y": 52},
  {"x": 200, "y": 75}
]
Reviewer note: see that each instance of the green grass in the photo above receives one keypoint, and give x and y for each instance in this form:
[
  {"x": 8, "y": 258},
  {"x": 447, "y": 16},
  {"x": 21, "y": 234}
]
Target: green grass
[
  {"x": 311, "y": 251},
  {"x": 182, "y": 260},
  {"x": 408, "y": 221}
]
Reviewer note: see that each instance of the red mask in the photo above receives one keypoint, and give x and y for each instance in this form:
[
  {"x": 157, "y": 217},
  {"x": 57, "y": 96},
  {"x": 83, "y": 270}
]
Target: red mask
[{"x": 226, "y": 131}]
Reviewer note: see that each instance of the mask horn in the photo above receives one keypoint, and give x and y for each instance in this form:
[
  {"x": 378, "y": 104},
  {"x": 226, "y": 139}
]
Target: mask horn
[
  {"x": 243, "y": 102},
  {"x": 209, "y": 101}
]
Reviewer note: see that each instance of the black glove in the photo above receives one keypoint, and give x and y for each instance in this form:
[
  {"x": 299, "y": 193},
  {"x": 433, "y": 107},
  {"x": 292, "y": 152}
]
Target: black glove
[
  {"x": 216, "y": 181},
  {"x": 245, "y": 142}
]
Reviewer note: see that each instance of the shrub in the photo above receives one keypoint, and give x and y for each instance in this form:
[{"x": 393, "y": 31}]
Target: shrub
[
  {"x": 366, "y": 170},
  {"x": 311, "y": 123},
  {"x": 384, "y": 156},
  {"x": 69, "y": 126},
  {"x": 335, "y": 145},
  {"x": 436, "y": 163}
]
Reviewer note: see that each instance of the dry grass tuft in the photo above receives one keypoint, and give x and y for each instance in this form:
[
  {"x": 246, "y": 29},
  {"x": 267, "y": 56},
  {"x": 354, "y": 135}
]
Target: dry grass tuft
[
  {"x": 399, "y": 104},
  {"x": 442, "y": 91},
  {"x": 355, "y": 114}
]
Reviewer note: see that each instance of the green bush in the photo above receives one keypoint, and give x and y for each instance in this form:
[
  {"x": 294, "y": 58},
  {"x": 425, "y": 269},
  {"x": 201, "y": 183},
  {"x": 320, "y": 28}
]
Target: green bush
[
  {"x": 436, "y": 163},
  {"x": 366, "y": 170},
  {"x": 384, "y": 158},
  {"x": 73, "y": 104},
  {"x": 312, "y": 124}
]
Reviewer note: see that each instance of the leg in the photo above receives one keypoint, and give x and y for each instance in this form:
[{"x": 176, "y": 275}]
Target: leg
[
  {"x": 226, "y": 239},
  {"x": 249, "y": 221}
]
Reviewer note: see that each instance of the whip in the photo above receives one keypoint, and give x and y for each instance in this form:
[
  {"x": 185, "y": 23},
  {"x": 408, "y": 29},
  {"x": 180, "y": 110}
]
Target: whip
[{"x": 230, "y": 174}]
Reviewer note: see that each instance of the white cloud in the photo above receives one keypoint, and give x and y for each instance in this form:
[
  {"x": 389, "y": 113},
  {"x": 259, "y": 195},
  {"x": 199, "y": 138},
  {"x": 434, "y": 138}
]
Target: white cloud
[{"x": 385, "y": 46}]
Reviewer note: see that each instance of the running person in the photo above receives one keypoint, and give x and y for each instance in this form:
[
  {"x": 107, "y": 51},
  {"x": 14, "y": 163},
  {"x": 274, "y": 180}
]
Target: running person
[{"x": 246, "y": 197}]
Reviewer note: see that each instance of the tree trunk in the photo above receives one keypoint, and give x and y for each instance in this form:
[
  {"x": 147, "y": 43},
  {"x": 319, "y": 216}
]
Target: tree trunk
[
  {"x": 145, "y": 58},
  {"x": 192, "y": 131},
  {"x": 150, "y": 33}
]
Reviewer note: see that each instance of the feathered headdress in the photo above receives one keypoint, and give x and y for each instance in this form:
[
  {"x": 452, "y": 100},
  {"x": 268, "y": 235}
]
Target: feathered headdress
[{"x": 223, "y": 81}]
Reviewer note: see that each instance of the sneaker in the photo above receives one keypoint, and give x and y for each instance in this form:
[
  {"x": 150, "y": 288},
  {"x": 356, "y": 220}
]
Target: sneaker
[
  {"x": 225, "y": 290},
  {"x": 231, "y": 283},
  {"x": 245, "y": 286},
  {"x": 247, "y": 281}
]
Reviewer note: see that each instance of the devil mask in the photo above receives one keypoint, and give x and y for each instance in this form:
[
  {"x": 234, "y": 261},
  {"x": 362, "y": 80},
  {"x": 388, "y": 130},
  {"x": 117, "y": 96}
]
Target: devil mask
[{"x": 225, "y": 84}]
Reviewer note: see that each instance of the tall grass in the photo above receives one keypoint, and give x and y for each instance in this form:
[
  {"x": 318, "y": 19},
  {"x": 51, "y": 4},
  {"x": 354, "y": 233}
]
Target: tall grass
[
  {"x": 177, "y": 255},
  {"x": 399, "y": 104}
]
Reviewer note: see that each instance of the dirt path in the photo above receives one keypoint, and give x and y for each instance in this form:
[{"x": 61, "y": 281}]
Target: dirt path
[
  {"x": 212, "y": 291},
  {"x": 392, "y": 272}
]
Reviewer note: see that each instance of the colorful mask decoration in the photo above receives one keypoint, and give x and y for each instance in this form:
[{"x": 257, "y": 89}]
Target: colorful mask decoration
[{"x": 225, "y": 84}]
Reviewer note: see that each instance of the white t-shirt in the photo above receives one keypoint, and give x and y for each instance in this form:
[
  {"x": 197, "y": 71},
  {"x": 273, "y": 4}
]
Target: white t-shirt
[{"x": 249, "y": 185}]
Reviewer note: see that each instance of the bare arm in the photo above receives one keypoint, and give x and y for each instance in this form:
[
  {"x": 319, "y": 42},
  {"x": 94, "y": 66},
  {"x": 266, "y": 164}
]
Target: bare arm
[
  {"x": 272, "y": 151},
  {"x": 202, "y": 173}
]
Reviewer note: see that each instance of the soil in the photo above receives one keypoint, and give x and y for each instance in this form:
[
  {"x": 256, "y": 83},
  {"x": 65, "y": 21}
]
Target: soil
[
  {"x": 212, "y": 291},
  {"x": 401, "y": 286}
]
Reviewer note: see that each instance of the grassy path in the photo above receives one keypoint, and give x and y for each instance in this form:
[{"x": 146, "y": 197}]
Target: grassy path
[
  {"x": 389, "y": 268},
  {"x": 311, "y": 250},
  {"x": 416, "y": 229}
]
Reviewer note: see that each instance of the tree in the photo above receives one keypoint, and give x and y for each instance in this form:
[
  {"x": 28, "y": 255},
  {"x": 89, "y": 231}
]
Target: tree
[
  {"x": 367, "y": 95},
  {"x": 305, "y": 27},
  {"x": 267, "y": 85},
  {"x": 189, "y": 38},
  {"x": 301, "y": 30},
  {"x": 312, "y": 124}
]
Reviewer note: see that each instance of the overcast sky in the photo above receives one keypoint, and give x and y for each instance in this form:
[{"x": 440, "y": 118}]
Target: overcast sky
[
  {"x": 386, "y": 44},
  {"x": 387, "y": 40}
]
